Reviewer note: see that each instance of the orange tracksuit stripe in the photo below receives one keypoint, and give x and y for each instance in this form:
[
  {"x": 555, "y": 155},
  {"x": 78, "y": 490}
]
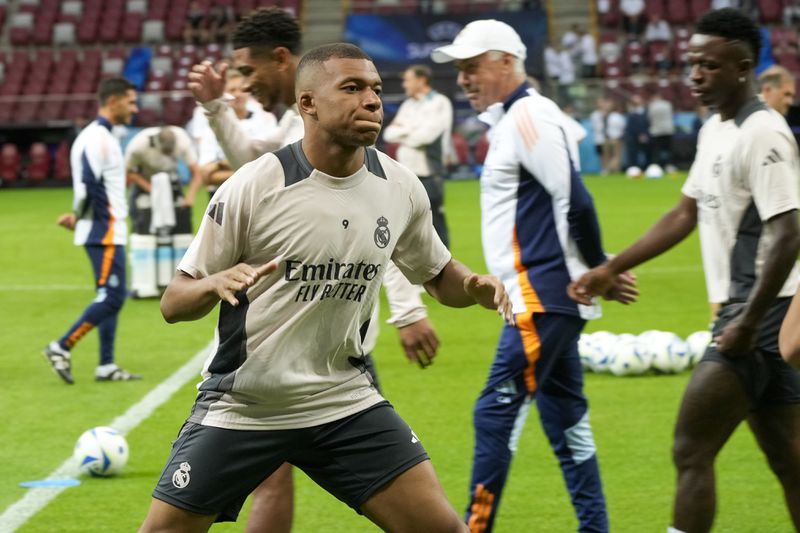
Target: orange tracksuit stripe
[
  {"x": 82, "y": 330},
  {"x": 108, "y": 260},
  {"x": 530, "y": 338},
  {"x": 481, "y": 509}
]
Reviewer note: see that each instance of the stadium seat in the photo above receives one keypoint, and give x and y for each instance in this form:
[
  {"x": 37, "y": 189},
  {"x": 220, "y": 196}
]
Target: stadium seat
[
  {"x": 61, "y": 168},
  {"x": 63, "y": 33},
  {"x": 461, "y": 148},
  {"x": 654, "y": 8},
  {"x": 51, "y": 110},
  {"x": 699, "y": 8},
  {"x": 770, "y": 10},
  {"x": 132, "y": 28},
  {"x": 788, "y": 58},
  {"x": 678, "y": 12},
  {"x": 10, "y": 162},
  {"x": 153, "y": 31},
  {"x": 72, "y": 7},
  {"x": 39, "y": 166}
]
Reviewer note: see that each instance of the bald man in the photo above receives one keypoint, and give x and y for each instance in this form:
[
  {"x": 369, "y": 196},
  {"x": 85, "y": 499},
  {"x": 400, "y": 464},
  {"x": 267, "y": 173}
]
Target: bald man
[{"x": 777, "y": 88}]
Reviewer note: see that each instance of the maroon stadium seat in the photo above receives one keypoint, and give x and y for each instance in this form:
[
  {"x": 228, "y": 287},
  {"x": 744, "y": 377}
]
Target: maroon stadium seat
[
  {"x": 461, "y": 148},
  {"x": 9, "y": 162},
  {"x": 61, "y": 168},
  {"x": 39, "y": 166},
  {"x": 654, "y": 8},
  {"x": 678, "y": 12},
  {"x": 611, "y": 18},
  {"x": 699, "y": 8},
  {"x": 770, "y": 10}
]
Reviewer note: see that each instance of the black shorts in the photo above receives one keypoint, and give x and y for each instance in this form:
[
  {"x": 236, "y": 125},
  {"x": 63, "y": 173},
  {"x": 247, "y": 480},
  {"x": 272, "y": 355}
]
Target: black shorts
[
  {"x": 767, "y": 379},
  {"x": 213, "y": 470}
]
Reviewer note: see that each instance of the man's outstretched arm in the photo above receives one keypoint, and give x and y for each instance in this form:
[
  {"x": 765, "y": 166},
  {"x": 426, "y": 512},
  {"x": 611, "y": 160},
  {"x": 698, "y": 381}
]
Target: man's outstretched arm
[
  {"x": 188, "y": 298},
  {"x": 458, "y": 286},
  {"x": 671, "y": 229}
]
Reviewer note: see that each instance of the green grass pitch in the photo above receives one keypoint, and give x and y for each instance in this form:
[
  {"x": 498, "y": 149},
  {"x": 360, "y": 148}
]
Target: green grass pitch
[{"x": 45, "y": 282}]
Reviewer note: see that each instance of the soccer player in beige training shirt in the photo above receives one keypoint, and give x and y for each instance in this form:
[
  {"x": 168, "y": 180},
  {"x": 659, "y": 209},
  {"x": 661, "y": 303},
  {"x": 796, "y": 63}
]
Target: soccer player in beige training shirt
[
  {"x": 266, "y": 47},
  {"x": 294, "y": 247}
]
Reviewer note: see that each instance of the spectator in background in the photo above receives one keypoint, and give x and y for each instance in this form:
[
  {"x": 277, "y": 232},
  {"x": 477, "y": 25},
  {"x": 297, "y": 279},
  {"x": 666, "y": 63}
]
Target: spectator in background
[
  {"x": 552, "y": 69},
  {"x": 615, "y": 131},
  {"x": 776, "y": 86},
  {"x": 657, "y": 30},
  {"x": 588, "y": 54},
  {"x": 566, "y": 77},
  {"x": 423, "y": 127},
  {"x": 194, "y": 31},
  {"x": 791, "y": 12},
  {"x": 632, "y": 16},
  {"x": 662, "y": 128},
  {"x": 598, "y": 120},
  {"x": 637, "y": 139},
  {"x": 571, "y": 40},
  {"x": 221, "y": 21}
]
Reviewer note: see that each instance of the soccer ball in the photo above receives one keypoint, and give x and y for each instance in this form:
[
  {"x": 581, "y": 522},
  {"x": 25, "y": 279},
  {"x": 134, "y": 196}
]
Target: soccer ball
[
  {"x": 603, "y": 344},
  {"x": 670, "y": 353},
  {"x": 629, "y": 357},
  {"x": 698, "y": 342},
  {"x": 654, "y": 171},
  {"x": 585, "y": 349},
  {"x": 101, "y": 451}
]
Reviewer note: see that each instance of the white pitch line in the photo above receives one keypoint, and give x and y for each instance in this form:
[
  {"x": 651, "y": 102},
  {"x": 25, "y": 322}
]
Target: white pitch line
[
  {"x": 51, "y": 287},
  {"x": 36, "y": 499}
]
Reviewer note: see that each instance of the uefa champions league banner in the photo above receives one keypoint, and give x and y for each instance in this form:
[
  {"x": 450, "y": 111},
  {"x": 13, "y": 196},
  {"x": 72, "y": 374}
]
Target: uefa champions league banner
[{"x": 396, "y": 41}]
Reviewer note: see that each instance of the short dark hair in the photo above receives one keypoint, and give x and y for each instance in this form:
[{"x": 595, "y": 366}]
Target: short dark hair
[
  {"x": 113, "y": 87},
  {"x": 733, "y": 25},
  {"x": 422, "y": 71},
  {"x": 268, "y": 28},
  {"x": 320, "y": 54}
]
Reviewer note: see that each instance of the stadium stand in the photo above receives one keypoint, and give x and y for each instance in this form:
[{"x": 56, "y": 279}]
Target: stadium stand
[{"x": 55, "y": 52}]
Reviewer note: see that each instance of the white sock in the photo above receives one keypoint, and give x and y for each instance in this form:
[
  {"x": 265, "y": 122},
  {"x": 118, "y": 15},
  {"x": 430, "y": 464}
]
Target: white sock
[
  {"x": 671, "y": 529},
  {"x": 105, "y": 370}
]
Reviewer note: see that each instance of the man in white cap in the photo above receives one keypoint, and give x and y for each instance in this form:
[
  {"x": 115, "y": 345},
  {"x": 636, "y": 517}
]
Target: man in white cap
[{"x": 540, "y": 231}]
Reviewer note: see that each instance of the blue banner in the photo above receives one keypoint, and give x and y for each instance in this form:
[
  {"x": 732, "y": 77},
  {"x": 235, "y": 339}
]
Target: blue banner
[{"x": 396, "y": 41}]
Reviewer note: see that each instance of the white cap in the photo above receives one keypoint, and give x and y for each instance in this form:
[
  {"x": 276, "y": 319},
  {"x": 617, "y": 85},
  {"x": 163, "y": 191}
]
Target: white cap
[{"x": 478, "y": 37}]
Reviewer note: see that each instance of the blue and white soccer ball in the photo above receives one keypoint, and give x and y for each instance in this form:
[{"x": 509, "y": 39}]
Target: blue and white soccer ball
[
  {"x": 630, "y": 357},
  {"x": 670, "y": 353},
  {"x": 603, "y": 345},
  {"x": 101, "y": 451},
  {"x": 698, "y": 342}
]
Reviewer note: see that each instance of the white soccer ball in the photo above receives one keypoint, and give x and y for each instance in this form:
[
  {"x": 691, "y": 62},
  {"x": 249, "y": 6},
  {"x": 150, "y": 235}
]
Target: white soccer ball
[
  {"x": 670, "y": 353},
  {"x": 101, "y": 451},
  {"x": 654, "y": 171},
  {"x": 603, "y": 345},
  {"x": 629, "y": 357},
  {"x": 585, "y": 349},
  {"x": 698, "y": 342},
  {"x": 634, "y": 172}
]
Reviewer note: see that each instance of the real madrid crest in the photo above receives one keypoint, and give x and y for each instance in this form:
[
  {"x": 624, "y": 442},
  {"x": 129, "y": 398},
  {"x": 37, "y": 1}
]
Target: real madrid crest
[
  {"x": 382, "y": 234},
  {"x": 181, "y": 478}
]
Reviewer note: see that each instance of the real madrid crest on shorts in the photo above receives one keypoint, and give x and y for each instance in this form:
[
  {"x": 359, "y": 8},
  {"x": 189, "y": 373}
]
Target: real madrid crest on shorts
[
  {"x": 382, "y": 234},
  {"x": 181, "y": 478}
]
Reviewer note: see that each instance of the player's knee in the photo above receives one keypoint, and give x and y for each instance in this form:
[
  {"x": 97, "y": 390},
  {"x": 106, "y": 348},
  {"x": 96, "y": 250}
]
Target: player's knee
[
  {"x": 786, "y": 466},
  {"x": 688, "y": 453}
]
